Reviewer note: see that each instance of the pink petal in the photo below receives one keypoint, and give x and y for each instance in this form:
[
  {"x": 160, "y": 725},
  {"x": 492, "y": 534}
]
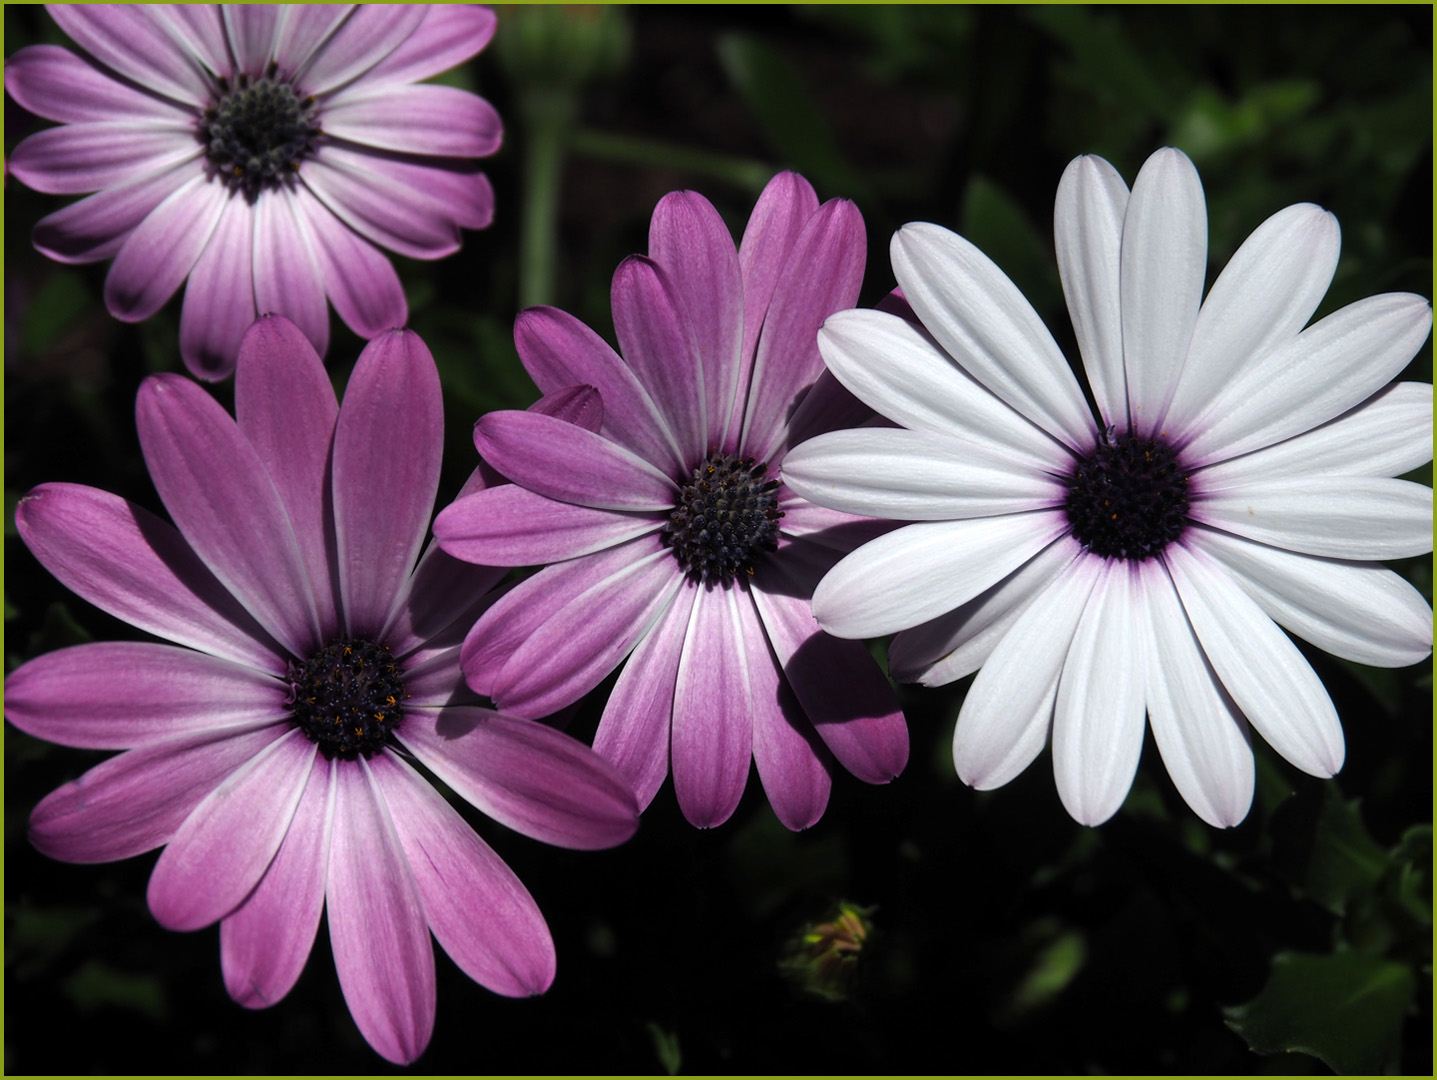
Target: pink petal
[
  {"x": 138, "y": 43},
  {"x": 377, "y": 925},
  {"x": 202, "y": 30},
  {"x": 634, "y": 729},
  {"x": 438, "y": 120},
  {"x": 511, "y": 526},
  {"x": 265, "y": 942},
  {"x": 713, "y": 710},
  {"x": 367, "y": 36},
  {"x": 526, "y": 775},
  {"x": 558, "y": 350},
  {"x": 224, "y": 847},
  {"x": 221, "y": 498},
  {"x": 479, "y": 910},
  {"x": 219, "y": 299},
  {"x": 562, "y": 461},
  {"x": 692, "y": 244},
  {"x": 134, "y": 802},
  {"x": 55, "y": 83},
  {"x": 78, "y": 158},
  {"x": 136, "y": 566},
  {"x": 159, "y": 254},
  {"x": 285, "y": 407},
  {"x": 303, "y": 28},
  {"x": 251, "y": 29},
  {"x": 95, "y": 228},
  {"x": 438, "y": 605},
  {"x": 449, "y": 35},
  {"x": 823, "y": 275},
  {"x": 119, "y": 694},
  {"x": 384, "y": 487},
  {"x": 360, "y": 281},
  {"x": 287, "y": 276}
]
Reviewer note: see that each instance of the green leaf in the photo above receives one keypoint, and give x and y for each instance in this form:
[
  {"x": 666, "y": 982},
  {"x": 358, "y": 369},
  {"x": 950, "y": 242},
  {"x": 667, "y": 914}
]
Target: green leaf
[
  {"x": 1321, "y": 846},
  {"x": 1345, "y": 1009},
  {"x": 1412, "y": 876},
  {"x": 994, "y": 222},
  {"x": 666, "y": 1047},
  {"x": 98, "y": 986}
]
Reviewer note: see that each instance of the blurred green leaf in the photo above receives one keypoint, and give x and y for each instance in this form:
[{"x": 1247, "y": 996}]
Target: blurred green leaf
[
  {"x": 54, "y": 310},
  {"x": 1211, "y": 125},
  {"x": 1055, "y": 965},
  {"x": 99, "y": 986},
  {"x": 1345, "y": 1009},
  {"x": 1321, "y": 846},
  {"x": 995, "y": 222},
  {"x": 1412, "y": 878},
  {"x": 666, "y": 1047}
]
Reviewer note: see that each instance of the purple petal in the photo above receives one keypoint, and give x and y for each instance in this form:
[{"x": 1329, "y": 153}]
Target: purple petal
[
  {"x": 438, "y": 120},
  {"x": 377, "y": 927},
  {"x": 782, "y": 210},
  {"x": 579, "y": 405},
  {"x": 839, "y": 686},
  {"x": 285, "y": 407},
  {"x": 162, "y": 250},
  {"x": 692, "y": 244},
  {"x": 823, "y": 275},
  {"x": 55, "y": 83},
  {"x": 658, "y": 342},
  {"x": 202, "y": 30},
  {"x": 224, "y": 847},
  {"x": 265, "y": 942},
  {"x": 558, "y": 351},
  {"x": 287, "y": 276},
  {"x": 360, "y": 281},
  {"x": 135, "y": 801},
  {"x": 367, "y": 36},
  {"x": 713, "y": 710},
  {"x": 139, "y": 44},
  {"x": 79, "y": 158},
  {"x": 479, "y": 910},
  {"x": 792, "y": 763},
  {"x": 512, "y": 526},
  {"x": 634, "y": 729},
  {"x": 97, "y": 227},
  {"x": 449, "y": 35},
  {"x": 121, "y": 694},
  {"x": 437, "y": 605},
  {"x": 828, "y": 406},
  {"x": 251, "y": 29},
  {"x": 219, "y": 299},
  {"x": 303, "y": 28},
  {"x": 384, "y": 487},
  {"x": 221, "y": 498},
  {"x": 526, "y": 775},
  {"x": 130, "y": 563},
  {"x": 585, "y": 639},
  {"x": 562, "y": 461}
]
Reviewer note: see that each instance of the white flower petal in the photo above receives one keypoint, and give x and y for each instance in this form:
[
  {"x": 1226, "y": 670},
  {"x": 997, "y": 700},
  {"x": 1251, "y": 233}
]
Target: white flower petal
[
  {"x": 1262, "y": 298},
  {"x": 1269, "y": 680},
  {"x": 1088, "y": 232},
  {"x": 1004, "y": 720},
  {"x": 1343, "y": 517},
  {"x": 1200, "y": 732},
  {"x": 984, "y": 323},
  {"x": 1164, "y": 262},
  {"x": 918, "y": 572},
  {"x": 1362, "y": 612}
]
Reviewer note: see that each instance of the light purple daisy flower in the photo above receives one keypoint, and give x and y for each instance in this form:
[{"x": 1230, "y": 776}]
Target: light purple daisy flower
[
  {"x": 265, "y": 152},
  {"x": 1137, "y": 564},
  {"x": 274, "y": 749},
  {"x": 671, "y": 536}
]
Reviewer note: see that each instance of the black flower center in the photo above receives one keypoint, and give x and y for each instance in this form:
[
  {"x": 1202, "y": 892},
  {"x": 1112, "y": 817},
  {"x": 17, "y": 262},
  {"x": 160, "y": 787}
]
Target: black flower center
[
  {"x": 258, "y": 130},
  {"x": 727, "y": 514},
  {"x": 1128, "y": 499},
  {"x": 348, "y": 697}
]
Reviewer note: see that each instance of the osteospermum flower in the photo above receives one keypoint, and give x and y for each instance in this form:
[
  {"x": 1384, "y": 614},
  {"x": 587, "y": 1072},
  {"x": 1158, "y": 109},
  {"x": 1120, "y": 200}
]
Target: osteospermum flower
[
  {"x": 1138, "y": 563},
  {"x": 671, "y": 535},
  {"x": 274, "y": 748},
  {"x": 265, "y": 152}
]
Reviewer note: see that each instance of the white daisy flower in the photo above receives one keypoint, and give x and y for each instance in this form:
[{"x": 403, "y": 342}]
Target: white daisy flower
[{"x": 1100, "y": 570}]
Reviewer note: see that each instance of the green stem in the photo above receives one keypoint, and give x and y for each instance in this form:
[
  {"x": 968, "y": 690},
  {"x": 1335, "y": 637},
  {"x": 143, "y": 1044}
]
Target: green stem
[
  {"x": 631, "y": 150},
  {"x": 547, "y": 114}
]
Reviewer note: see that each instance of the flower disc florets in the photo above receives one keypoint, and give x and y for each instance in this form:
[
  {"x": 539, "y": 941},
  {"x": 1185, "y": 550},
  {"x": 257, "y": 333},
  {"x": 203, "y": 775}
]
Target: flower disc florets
[
  {"x": 258, "y": 130},
  {"x": 348, "y": 697},
  {"x": 726, "y": 515},
  {"x": 1128, "y": 499}
]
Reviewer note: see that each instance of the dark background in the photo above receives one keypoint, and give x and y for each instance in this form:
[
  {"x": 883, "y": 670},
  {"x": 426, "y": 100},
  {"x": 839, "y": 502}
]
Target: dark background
[{"x": 1005, "y": 937}]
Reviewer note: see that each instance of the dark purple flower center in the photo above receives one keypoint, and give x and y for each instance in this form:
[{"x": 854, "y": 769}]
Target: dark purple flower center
[
  {"x": 1128, "y": 499},
  {"x": 726, "y": 516},
  {"x": 348, "y": 697},
  {"x": 256, "y": 131}
]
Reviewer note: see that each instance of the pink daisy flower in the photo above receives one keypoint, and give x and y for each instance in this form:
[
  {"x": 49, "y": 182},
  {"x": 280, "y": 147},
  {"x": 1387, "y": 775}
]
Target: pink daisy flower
[
  {"x": 266, "y": 153},
  {"x": 274, "y": 748},
  {"x": 673, "y": 540}
]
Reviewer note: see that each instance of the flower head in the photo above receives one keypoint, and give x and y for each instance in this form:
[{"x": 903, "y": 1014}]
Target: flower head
[
  {"x": 673, "y": 541},
  {"x": 1100, "y": 570},
  {"x": 265, "y": 152},
  {"x": 274, "y": 748}
]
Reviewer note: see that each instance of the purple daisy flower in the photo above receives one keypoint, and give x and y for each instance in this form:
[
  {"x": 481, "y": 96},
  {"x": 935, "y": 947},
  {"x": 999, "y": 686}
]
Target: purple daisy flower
[
  {"x": 265, "y": 152},
  {"x": 272, "y": 749},
  {"x": 671, "y": 535}
]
